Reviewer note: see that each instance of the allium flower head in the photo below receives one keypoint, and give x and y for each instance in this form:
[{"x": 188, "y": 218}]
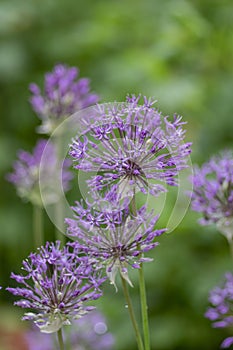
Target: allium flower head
[
  {"x": 115, "y": 238},
  {"x": 30, "y": 173},
  {"x": 213, "y": 192},
  {"x": 133, "y": 146},
  {"x": 221, "y": 310},
  {"x": 63, "y": 95},
  {"x": 89, "y": 332},
  {"x": 55, "y": 286}
]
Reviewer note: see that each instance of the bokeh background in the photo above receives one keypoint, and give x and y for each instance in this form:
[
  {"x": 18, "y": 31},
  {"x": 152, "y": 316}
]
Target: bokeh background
[{"x": 179, "y": 52}]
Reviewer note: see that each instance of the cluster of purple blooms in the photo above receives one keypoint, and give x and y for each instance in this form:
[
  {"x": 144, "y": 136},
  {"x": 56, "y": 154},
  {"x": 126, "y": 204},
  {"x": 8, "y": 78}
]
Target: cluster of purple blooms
[
  {"x": 221, "y": 310},
  {"x": 133, "y": 146},
  {"x": 213, "y": 192},
  {"x": 56, "y": 284},
  {"x": 116, "y": 238},
  {"x": 130, "y": 147},
  {"x": 63, "y": 95},
  {"x": 127, "y": 148},
  {"x": 31, "y": 174},
  {"x": 213, "y": 197}
]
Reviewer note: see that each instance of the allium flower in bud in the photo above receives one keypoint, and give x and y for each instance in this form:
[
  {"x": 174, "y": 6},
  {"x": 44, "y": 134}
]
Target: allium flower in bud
[
  {"x": 56, "y": 285},
  {"x": 133, "y": 146},
  {"x": 63, "y": 95},
  {"x": 221, "y": 310},
  {"x": 115, "y": 238},
  {"x": 213, "y": 193},
  {"x": 30, "y": 174},
  {"x": 89, "y": 332}
]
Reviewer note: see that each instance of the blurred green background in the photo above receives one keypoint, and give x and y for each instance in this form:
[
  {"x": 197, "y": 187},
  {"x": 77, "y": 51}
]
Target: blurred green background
[{"x": 181, "y": 53}]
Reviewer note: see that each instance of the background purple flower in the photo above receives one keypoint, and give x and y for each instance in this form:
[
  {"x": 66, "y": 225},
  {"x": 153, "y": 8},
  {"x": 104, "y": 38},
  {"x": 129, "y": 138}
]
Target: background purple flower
[
  {"x": 227, "y": 343},
  {"x": 221, "y": 310},
  {"x": 30, "y": 173},
  {"x": 89, "y": 332},
  {"x": 115, "y": 238},
  {"x": 133, "y": 146},
  {"x": 63, "y": 95},
  {"x": 56, "y": 284},
  {"x": 213, "y": 192}
]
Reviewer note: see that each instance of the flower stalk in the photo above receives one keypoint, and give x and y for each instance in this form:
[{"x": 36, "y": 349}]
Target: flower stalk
[
  {"x": 60, "y": 340},
  {"x": 144, "y": 308},
  {"x": 142, "y": 288},
  {"x": 132, "y": 315}
]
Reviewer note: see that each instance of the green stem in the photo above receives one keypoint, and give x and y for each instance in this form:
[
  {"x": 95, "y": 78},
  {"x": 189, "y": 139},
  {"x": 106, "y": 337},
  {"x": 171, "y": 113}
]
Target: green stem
[
  {"x": 142, "y": 287},
  {"x": 60, "y": 339},
  {"x": 131, "y": 313},
  {"x": 144, "y": 309},
  {"x": 38, "y": 226}
]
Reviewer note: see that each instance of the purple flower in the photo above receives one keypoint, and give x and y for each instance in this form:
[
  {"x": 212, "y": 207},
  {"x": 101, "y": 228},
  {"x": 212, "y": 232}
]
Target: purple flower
[
  {"x": 30, "y": 174},
  {"x": 63, "y": 95},
  {"x": 221, "y": 310},
  {"x": 56, "y": 284},
  {"x": 227, "y": 343},
  {"x": 133, "y": 146},
  {"x": 88, "y": 332},
  {"x": 116, "y": 238},
  {"x": 213, "y": 192}
]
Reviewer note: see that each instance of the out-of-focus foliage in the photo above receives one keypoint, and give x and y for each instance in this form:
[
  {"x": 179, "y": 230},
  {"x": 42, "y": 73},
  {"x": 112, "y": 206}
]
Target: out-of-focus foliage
[{"x": 179, "y": 52}]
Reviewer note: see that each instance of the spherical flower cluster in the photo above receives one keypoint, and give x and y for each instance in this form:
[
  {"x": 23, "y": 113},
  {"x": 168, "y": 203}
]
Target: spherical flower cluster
[
  {"x": 133, "y": 146},
  {"x": 63, "y": 95},
  {"x": 213, "y": 192},
  {"x": 116, "y": 238},
  {"x": 56, "y": 284},
  {"x": 221, "y": 311},
  {"x": 89, "y": 332},
  {"x": 31, "y": 175}
]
